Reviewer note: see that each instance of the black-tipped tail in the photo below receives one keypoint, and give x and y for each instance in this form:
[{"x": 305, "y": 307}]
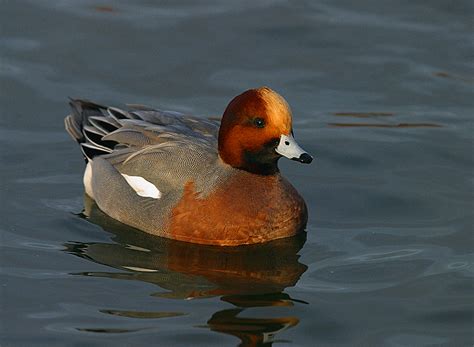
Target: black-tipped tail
[{"x": 89, "y": 123}]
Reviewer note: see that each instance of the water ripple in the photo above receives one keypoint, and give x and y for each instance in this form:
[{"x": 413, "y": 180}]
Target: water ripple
[{"x": 389, "y": 255}]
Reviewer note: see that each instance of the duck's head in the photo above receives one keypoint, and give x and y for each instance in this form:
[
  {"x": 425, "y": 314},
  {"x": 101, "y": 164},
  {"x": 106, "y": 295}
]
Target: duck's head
[{"x": 256, "y": 131}]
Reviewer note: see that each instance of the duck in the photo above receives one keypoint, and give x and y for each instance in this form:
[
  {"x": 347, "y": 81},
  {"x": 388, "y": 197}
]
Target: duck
[{"x": 194, "y": 179}]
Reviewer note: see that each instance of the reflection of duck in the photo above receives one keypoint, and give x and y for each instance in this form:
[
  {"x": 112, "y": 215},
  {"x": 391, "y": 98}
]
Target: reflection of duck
[
  {"x": 247, "y": 276},
  {"x": 252, "y": 331},
  {"x": 191, "y": 179}
]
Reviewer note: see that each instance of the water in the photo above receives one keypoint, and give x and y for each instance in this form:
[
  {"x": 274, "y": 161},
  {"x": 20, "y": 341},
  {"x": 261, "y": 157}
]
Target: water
[{"x": 383, "y": 97}]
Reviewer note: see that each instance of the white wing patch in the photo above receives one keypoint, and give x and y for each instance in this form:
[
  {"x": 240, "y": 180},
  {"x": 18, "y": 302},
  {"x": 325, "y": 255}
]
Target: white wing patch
[{"x": 142, "y": 186}]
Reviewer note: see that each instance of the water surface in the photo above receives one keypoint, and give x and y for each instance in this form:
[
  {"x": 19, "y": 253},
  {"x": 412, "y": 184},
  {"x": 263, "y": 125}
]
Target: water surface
[{"x": 382, "y": 95}]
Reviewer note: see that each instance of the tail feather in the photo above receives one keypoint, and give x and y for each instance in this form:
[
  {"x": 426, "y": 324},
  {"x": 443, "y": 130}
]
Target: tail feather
[
  {"x": 73, "y": 128},
  {"x": 90, "y": 151},
  {"x": 88, "y": 124}
]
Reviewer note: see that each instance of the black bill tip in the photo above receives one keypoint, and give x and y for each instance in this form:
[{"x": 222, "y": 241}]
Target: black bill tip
[{"x": 304, "y": 158}]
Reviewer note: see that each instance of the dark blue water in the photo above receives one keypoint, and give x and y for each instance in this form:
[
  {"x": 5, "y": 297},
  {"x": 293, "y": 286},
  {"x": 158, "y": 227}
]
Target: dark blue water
[{"x": 382, "y": 95}]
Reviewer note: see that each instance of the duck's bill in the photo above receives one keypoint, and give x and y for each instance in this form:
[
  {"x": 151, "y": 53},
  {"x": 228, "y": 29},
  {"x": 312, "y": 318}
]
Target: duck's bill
[{"x": 289, "y": 148}]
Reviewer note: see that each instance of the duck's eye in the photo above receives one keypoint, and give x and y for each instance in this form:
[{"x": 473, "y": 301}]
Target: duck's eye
[{"x": 259, "y": 122}]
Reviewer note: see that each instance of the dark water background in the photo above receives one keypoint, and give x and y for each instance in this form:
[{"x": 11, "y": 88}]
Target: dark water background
[{"x": 382, "y": 95}]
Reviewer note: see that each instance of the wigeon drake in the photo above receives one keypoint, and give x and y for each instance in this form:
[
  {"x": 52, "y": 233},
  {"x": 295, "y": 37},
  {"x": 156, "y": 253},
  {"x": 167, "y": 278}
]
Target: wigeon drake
[{"x": 186, "y": 178}]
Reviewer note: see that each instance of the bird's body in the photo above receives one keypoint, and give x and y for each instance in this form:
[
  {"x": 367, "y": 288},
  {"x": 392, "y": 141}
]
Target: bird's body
[{"x": 177, "y": 176}]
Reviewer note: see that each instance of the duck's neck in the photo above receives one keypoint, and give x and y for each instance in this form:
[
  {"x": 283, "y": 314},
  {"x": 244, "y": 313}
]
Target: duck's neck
[
  {"x": 255, "y": 166},
  {"x": 251, "y": 164}
]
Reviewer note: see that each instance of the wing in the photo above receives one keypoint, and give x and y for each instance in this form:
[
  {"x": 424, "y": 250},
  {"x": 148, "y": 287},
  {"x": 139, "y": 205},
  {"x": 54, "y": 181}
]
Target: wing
[
  {"x": 102, "y": 130},
  {"x": 167, "y": 149}
]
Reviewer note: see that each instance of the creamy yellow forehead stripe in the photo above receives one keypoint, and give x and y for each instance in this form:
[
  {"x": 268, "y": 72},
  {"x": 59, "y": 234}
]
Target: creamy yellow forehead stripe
[{"x": 279, "y": 112}]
